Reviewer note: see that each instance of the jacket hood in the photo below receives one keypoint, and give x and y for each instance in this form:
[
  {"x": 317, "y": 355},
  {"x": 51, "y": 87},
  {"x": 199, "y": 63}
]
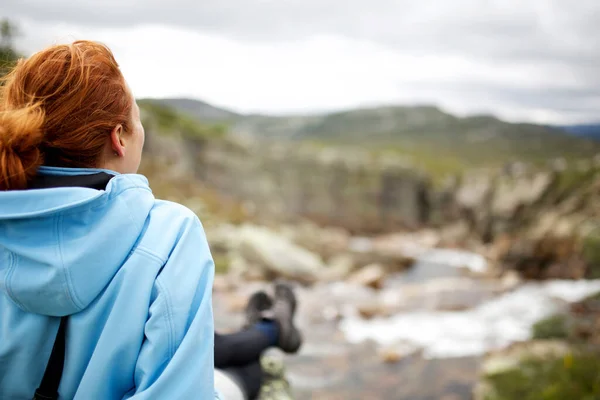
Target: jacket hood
[{"x": 61, "y": 246}]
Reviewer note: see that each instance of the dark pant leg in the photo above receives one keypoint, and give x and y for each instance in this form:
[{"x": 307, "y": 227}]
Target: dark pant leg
[
  {"x": 240, "y": 348},
  {"x": 250, "y": 377}
]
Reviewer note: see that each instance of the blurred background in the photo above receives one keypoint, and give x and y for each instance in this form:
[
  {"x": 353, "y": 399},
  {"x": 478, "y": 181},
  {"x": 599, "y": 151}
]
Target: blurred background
[{"x": 428, "y": 173}]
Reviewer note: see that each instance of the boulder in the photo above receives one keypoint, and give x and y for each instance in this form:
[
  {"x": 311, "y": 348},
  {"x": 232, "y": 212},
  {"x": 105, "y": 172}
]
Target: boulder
[
  {"x": 277, "y": 255},
  {"x": 221, "y": 237},
  {"x": 512, "y": 194},
  {"x": 550, "y": 257},
  {"x": 323, "y": 241},
  {"x": 241, "y": 269}
]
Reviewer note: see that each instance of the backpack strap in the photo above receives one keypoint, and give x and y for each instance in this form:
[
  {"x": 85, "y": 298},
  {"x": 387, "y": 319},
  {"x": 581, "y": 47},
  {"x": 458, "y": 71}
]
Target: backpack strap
[{"x": 48, "y": 389}]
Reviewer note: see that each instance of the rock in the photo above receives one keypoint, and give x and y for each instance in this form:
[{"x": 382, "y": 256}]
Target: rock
[
  {"x": 546, "y": 258},
  {"x": 170, "y": 152},
  {"x": 395, "y": 252},
  {"x": 510, "y": 280},
  {"x": 451, "y": 396},
  {"x": 258, "y": 275},
  {"x": 241, "y": 269},
  {"x": 455, "y": 234},
  {"x": 361, "y": 245},
  {"x": 372, "y": 309},
  {"x": 512, "y": 194},
  {"x": 568, "y": 226},
  {"x": 572, "y": 268},
  {"x": 221, "y": 237},
  {"x": 474, "y": 192},
  {"x": 338, "y": 268},
  {"x": 278, "y": 255},
  {"x": 500, "y": 247},
  {"x": 544, "y": 224},
  {"x": 426, "y": 238},
  {"x": 392, "y": 354},
  {"x": 334, "y": 241},
  {"x": 372, "y": 275},
  {"x": 473, "y": 262},
  {"x": 323, "y": 241},
  {"x": 239, "y": 266}
]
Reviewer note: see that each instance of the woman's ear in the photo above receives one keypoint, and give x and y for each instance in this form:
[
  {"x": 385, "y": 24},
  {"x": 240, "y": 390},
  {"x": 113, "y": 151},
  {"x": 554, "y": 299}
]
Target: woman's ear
[{"x": 116, "y": 140}]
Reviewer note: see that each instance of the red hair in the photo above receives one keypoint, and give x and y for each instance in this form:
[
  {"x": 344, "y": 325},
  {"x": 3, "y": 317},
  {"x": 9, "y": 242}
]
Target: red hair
[{"x": 58, "y": 108}]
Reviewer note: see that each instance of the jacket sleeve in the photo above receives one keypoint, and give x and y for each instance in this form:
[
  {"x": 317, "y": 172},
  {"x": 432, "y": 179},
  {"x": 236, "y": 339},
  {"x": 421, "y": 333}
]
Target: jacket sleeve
[{"x": 176, "y": 360}]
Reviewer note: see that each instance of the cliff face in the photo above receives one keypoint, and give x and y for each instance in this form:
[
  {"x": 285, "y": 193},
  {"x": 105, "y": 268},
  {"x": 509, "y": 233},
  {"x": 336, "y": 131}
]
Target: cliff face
[{"x": 540, "y": 221}]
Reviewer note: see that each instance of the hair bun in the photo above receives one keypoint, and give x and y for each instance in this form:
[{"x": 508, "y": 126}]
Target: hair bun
[{"x": 21, "y": 133}]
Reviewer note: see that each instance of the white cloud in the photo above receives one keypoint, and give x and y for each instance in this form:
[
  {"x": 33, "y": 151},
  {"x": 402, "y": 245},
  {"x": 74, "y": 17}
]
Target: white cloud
[{"x": 495, "y": 56}]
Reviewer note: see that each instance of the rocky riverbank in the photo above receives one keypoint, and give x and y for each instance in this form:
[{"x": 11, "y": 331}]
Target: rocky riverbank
[
  {"x": 543, "y": 221},
  {"x": 390, "y": 317}
]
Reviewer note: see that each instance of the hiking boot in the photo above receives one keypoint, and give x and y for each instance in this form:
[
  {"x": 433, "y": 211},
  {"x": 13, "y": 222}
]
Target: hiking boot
[
  {"x": 283, "y": 311},
  {"x": 258, "y": 303},
  {"x": 284, "y": 290}
]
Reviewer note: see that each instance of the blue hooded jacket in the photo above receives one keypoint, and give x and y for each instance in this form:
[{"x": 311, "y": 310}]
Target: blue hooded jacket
[{"x": 134, "y": 275}]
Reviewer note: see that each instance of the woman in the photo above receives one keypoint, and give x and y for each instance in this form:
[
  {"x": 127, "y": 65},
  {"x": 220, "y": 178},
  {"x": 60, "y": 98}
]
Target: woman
[{"x": 84, "y": 245}]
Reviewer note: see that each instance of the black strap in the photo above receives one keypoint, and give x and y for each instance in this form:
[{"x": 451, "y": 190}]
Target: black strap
[{"x": 48, "y": 389}]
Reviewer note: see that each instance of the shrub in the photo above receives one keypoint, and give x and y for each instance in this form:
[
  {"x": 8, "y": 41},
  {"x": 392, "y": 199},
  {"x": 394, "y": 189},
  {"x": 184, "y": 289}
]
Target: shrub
[
  {"x": 575, "y": 376},
  {"x": 554, "y": 327}
]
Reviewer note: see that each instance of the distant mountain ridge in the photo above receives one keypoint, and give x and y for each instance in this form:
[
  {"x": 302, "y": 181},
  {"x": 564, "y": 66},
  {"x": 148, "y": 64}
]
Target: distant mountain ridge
[
  {"x": 200, "y": 110},
  {"x": 408, "y": 129},
  {"x": 591, "y": 131}
]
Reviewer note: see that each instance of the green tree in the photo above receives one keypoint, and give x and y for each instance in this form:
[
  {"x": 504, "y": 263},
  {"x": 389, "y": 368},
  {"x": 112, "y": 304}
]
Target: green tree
[{"x": 8, "y": 54}]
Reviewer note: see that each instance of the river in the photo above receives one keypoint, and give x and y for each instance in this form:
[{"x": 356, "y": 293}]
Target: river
[{"x": 433, "y": 321}]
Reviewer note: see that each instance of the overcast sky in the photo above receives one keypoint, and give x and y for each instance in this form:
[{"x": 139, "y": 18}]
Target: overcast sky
[{"x": 534, "y": 60}]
